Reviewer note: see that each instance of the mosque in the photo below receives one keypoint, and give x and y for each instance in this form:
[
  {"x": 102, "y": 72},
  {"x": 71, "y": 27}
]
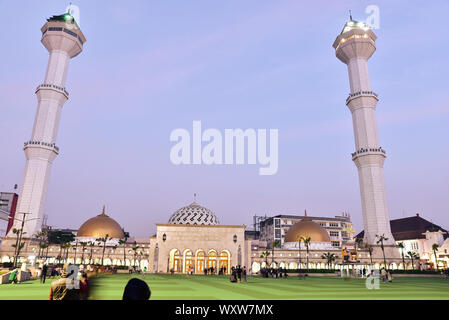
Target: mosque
[{"x": 193, "y": 239}]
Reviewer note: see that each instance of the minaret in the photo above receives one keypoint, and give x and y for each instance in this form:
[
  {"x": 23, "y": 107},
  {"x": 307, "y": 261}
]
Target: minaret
[
  {"x": 354, "y": 46},
  {"x": 64, "y": 40}
]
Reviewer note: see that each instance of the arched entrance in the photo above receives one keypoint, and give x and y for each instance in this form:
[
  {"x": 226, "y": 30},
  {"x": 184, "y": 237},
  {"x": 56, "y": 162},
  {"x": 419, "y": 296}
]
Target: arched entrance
[
  {"x": 174, "y": 261},
  {"x": 187, "y": 259},
  {"x": 225, "y": 261},
  {"x": 212, "y": 259},
  {"x": 200, "y": 257}
]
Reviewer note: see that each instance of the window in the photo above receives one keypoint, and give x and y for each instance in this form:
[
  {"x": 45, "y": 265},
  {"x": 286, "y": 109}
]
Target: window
[
  {"x": 277, "y": 223},
  {"x": 334, "y": 233},
  {"x": 323, "y": 224},
  {"x": 333, "y": 224},
  {"x": 277, "y": 233},
  {"x": 335, "y": 243}
]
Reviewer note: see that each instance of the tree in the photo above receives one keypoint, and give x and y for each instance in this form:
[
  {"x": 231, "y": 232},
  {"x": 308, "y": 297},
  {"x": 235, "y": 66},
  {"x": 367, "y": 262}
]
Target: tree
[
  {"x": 299, "y": 253},
  {"x": 83, "y": 248},
  {"x": 435, "y": 249},
  {"x": 307, "y": 243},
  {"x": 135, "y": 248},
  {"x": 123, "y": 242},
  {"x": 402, "y": 247},
  {"x": 274, "y": 244},
  {"x": 40, "y": 236},
  {"x": 329, "y": 257},
  {"x": 381, "y": 240},
  {"x": 103, "y": 240},
  {"x": 412, "y": 256},
  {"x": 61, "y": 238},
  {"x": 264, "y": 255},
  {"x": 91, "y": 244}
]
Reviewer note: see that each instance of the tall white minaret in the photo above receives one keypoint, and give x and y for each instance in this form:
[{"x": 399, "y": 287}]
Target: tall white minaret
[
  {"x": 354, "y": 46},
  {"x": 64, "y": 40}
]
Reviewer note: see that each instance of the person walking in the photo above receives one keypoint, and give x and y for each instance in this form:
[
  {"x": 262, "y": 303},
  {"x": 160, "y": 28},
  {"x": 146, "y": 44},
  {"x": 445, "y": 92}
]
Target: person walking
[
  {"x": 239, "y": 274},
  {"x": 44, "y": 273},
  {"x": 389, "y": 276},
  {"x": 383, "y": 274},
  {"x": 84, "y": 287},
  {"x": 244, "y": 273}
]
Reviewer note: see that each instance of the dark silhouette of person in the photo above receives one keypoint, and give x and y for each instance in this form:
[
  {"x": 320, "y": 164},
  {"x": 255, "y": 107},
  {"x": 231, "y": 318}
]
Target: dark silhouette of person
[
  {"x": 44, "y": 273},
  {"x": 136, "y": 289}
]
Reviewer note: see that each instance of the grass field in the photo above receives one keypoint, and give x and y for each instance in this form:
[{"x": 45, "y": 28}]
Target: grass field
[{"x": 179, "y": 287}]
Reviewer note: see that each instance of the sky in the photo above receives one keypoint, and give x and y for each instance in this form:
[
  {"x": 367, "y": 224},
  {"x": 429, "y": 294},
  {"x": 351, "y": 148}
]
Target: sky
[{"x": 149, "y": 67}]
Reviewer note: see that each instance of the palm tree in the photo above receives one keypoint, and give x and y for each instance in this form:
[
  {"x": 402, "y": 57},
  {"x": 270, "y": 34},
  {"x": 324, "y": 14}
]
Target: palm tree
[
  {"x": 402, "y": 247},
  {"x": 83, "y": 248},
  {"x": 91, "y": 245},
  {"x": 67, "y": 246},
  {"x": 329, "y": 257},
  {"x": 435, "y": 249},
  {"x": 135, "y": 247},
  {"x": 274, "y": 244},
  {"x": 123, "y": 242},
  {"x": 299, "y": 253},
  {"x": 264, "y": 255},
  {"x": 42, "y": 247},
  {"x": 381, "y": 240},
  {"x": 307, "y": 243},
  {"x": 412, "y": 256},
  {"x": 40, "y": 236},
  {"x": 103, "y": 240}
]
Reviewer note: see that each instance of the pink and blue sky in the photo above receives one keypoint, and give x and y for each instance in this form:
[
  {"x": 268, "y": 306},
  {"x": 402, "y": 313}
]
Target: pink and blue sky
[{"x": 149, "y": 67}]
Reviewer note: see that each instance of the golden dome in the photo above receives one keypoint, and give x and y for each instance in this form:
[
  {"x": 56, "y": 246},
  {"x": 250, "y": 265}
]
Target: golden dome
[
  {"x": 100, "y": 226},
  {"x": 307, "y": 228}
]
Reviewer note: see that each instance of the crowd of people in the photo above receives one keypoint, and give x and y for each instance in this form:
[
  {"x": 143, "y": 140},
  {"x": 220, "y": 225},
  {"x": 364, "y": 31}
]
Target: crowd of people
[
  {"x": 273, "y": 272},
  {"x": 237, "y": 273}
]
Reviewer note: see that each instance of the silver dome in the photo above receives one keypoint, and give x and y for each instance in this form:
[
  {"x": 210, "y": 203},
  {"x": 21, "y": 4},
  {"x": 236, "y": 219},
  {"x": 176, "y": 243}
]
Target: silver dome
[{"x": 193, "y": 214}]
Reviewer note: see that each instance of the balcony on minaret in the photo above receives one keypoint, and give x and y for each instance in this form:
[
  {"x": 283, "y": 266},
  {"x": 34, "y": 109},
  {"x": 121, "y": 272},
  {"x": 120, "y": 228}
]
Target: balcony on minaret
[
  {"x": 367, "y": 151},
  {"x": 63, "y": 33},
  {"x": 355, "y": 41}
]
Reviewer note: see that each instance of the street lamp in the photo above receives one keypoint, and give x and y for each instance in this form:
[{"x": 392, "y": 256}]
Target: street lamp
[{"x": 19, "y": 236}]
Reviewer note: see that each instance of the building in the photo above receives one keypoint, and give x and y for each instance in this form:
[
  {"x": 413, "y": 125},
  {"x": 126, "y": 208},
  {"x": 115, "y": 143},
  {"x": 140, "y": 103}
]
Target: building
[
  {"x": 64, "y": 40},
  {"x": 418, "y": 235},
  {"x": 340, "y": 228},
  {"x": 354, "y": 46},
  {"x": 8, "y": 205}
]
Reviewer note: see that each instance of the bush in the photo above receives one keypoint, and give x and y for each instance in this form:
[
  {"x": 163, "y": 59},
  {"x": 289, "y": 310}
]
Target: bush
[
  {"x": 415, "y": 271},
  {"x": 311, "y": 271},
  {"x": 6, "y": 265}
]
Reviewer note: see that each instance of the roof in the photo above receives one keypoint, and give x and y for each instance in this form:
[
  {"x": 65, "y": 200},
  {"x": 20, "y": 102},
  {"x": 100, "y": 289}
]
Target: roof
[{"x": 411, "y": 228}]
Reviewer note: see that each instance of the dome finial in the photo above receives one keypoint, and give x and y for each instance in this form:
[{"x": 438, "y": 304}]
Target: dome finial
[
  {"x": 194, "y": 197},
  {"x": 350, "y": 15},
  {"x": 305, "y": 212},
  {"x": 103, "y": 212}
]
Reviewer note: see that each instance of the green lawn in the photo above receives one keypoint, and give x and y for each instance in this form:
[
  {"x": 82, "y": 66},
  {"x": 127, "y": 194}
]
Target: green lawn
[{"x": 218, "y": 287}]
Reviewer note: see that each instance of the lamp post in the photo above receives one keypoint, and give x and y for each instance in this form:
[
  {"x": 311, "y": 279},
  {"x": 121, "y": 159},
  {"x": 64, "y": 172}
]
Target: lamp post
[{"x": 19, "y": 236}]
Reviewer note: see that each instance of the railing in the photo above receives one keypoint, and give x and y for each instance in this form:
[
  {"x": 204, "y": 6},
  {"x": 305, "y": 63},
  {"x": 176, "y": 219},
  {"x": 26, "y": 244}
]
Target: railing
[
  {"x": 53, "y": 86},
  {"x": 73, "y": 34},
  {"x": 361, "y": 93},
  {"x": 365, "y": 150},
  {"x": 41, "y": 143}
]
